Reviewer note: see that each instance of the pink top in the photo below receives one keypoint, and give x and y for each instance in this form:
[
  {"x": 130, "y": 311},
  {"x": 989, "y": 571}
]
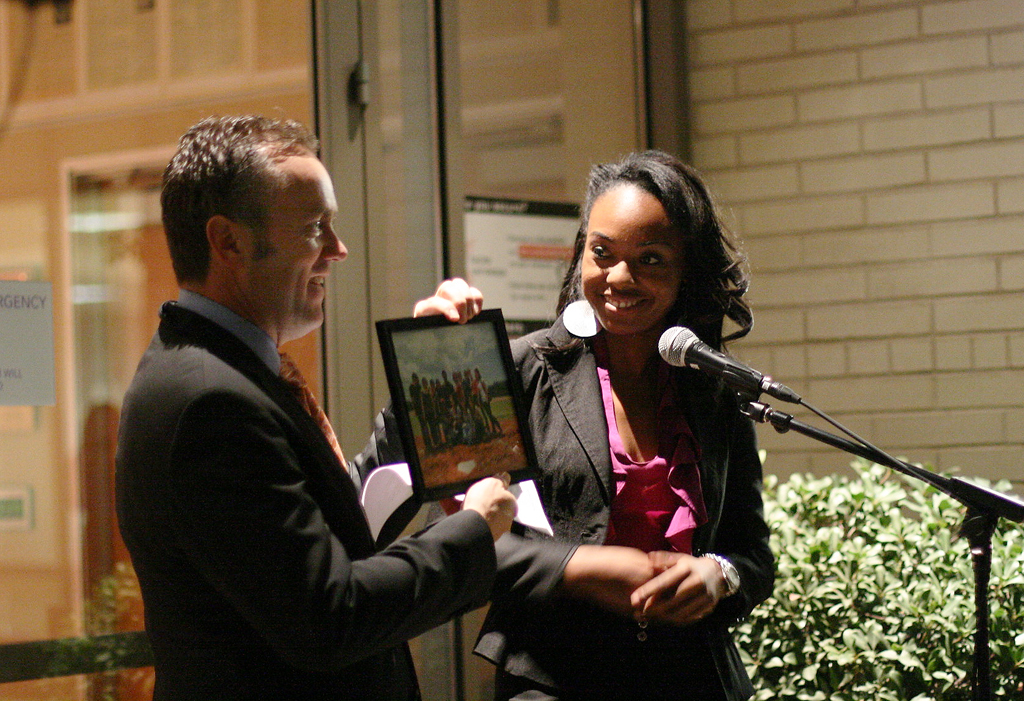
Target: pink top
[{"x": 658, "y": 503}]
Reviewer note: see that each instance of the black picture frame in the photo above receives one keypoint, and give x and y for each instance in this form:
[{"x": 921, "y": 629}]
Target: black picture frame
[{"x": 454, "y": 434}]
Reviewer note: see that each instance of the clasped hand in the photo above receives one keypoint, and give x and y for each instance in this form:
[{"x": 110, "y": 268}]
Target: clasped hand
[
  {"x": 683, "y": 590},
  {"x": 661, "y": 586}
]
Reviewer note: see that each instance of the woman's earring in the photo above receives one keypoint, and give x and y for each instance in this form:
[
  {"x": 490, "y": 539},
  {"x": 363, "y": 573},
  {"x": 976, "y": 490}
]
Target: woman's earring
[{"x": 580, "y": 320}]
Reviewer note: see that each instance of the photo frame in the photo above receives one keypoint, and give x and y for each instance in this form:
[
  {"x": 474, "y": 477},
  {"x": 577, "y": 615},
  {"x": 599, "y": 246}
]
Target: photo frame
[{"x": 458, "y": 401}]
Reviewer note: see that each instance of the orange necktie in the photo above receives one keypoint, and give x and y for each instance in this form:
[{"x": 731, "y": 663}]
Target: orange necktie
[{"x": 291, "y": 375}]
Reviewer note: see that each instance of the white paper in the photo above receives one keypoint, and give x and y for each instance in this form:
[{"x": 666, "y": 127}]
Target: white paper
[
  {"x": 530, "y": 513},
  {"x": 385, "y": 490},
  {"x": 389, "y": 486}
]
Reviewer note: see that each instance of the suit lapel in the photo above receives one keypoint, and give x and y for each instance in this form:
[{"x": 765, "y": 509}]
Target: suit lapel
[
  {"x": 195, "y": 329},
  {"x": 577, "y": 391}
]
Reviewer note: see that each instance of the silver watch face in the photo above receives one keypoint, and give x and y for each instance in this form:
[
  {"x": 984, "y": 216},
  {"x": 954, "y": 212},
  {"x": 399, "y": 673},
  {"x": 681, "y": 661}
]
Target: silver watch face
[
  {"x": 732, "y": 579},
  {"x": 732, "y": 576}
]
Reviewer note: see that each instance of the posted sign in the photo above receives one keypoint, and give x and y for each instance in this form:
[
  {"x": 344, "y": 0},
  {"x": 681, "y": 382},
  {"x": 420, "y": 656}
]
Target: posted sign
[
  {"x": 517, "y": 253},
  {"x": 26, "y": 344}
]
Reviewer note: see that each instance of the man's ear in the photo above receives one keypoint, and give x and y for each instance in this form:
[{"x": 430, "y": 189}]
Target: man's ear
[{"x": 229, "y": 241}]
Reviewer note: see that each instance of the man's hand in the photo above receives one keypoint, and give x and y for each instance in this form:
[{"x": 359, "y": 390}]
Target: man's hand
[
  {"x": 606, "y": 575},
  {"x": 491, "y": 499},
  {"x": 456, "y": 299},
  {"x": 684, "y": 590}
]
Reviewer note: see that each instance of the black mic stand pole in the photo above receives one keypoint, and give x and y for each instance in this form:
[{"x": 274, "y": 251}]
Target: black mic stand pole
[{"x": 984, "y": 507}]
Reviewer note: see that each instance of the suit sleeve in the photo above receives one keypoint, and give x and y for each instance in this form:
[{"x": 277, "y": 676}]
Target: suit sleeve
[
  {"x": 250, "y": 522},
  {"x": 527, "y": 569}
]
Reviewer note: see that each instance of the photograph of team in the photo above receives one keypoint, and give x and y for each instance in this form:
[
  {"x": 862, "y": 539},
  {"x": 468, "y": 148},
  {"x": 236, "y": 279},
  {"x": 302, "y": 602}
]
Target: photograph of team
[
  {"x": 453, "y": 412},
  {"x": 457, "y": 397}
]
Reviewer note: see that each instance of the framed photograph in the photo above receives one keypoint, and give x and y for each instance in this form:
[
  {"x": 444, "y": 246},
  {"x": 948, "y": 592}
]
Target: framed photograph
[{"x": 457, "y": 400}]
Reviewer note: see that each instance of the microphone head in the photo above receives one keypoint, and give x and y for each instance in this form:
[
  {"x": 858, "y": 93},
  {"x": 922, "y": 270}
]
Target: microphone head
[{"x": 673, "y": 344}]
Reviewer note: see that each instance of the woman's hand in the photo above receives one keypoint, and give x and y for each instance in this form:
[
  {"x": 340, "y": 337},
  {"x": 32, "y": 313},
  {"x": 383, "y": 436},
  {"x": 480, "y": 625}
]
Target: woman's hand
[
  {"x": 684, "y": 590},
  {"x": 456, "y": 299},
  {"x": 606, "y": 575}
]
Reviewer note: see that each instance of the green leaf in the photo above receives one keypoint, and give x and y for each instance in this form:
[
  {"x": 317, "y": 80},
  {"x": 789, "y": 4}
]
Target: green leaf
[
  {"x": 809, "y": 672},
  {"x": 874, "y": 594}
]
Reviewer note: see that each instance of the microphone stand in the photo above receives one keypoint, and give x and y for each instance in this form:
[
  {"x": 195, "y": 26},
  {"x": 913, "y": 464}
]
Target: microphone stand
[{"x": 984, "y": 507}]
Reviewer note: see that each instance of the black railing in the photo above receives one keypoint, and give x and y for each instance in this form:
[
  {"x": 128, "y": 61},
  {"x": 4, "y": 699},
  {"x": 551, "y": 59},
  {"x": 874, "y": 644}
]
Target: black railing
[{"x": 69, "y": 656}]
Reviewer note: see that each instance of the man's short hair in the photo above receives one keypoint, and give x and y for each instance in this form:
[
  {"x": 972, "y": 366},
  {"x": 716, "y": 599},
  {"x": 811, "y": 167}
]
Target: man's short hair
[{"x": 223, "y": 165}]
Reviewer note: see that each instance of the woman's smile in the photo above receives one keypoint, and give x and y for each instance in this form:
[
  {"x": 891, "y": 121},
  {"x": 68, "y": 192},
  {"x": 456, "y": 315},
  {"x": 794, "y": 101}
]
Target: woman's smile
[{"x": 633, "y": 262}]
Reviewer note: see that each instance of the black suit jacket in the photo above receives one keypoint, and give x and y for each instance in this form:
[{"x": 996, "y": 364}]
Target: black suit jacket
[
  {"x": 259, "y": 575},
  {"x": 570, "y": 645}
]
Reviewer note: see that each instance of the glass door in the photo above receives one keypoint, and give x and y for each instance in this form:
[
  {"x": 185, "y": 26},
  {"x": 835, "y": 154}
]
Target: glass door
[
  {"x": 93, "y": 98},
  {"x": 432, "y": 104},
  {"x": 534, "y": 93}
]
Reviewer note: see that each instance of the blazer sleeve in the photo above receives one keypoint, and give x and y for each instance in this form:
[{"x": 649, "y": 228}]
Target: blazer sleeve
[
  {"x": 251, "y": 523},
  {"x": 743, "y": 535}
]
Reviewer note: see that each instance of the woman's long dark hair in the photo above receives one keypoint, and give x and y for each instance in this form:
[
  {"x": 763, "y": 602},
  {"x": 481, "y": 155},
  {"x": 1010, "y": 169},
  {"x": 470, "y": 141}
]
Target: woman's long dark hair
[{"x": 715, "y": 278}]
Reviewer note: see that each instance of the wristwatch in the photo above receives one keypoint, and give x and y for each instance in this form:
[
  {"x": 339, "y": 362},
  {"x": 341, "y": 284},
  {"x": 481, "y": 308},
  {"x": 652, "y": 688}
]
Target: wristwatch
[{"x": 729, "y": 571}]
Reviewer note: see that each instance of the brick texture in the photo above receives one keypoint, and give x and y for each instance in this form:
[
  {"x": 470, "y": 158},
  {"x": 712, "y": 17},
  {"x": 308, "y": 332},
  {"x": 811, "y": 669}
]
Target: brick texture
[{"x": 871, "y": 157}]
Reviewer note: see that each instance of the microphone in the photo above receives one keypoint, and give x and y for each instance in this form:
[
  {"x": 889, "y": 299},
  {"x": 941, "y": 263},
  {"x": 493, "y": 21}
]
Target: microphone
[{"x": 680, "y": 346}]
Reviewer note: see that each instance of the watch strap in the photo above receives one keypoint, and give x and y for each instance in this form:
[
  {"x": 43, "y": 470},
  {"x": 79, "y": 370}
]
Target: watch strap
[{"x": 729, "y": 572}]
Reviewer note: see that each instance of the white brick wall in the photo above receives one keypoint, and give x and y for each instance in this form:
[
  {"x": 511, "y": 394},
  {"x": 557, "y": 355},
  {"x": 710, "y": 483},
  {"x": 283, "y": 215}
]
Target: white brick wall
[
  {"x": 856, "y": 29},
  {"x": 932, "y": 128},
  {"x": 870, "y": 155},
  {"x": 930, "y": 55},
  {"x": 970, "y": 15},
  {"x": 800, "y": 72}
]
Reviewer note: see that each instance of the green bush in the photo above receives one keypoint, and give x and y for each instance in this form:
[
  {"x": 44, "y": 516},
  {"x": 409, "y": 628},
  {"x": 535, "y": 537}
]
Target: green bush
[{"x": 874, "y": 597}]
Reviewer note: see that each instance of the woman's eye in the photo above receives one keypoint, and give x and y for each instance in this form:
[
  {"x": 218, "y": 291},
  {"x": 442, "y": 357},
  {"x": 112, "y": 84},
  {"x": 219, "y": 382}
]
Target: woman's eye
[
  {"x": 599, "y": 251},
  {"x": 652, "y": 259}
]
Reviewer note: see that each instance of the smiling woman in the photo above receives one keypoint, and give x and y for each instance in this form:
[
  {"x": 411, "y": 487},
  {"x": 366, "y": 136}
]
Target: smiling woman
[
  {"x": 636, "y": 453},
  {"x": 632, "y": 262}
]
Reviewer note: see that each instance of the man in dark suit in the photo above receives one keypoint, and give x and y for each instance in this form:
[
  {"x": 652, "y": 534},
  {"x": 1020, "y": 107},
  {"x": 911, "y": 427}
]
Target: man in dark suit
[{"x": 259, "y": 574}]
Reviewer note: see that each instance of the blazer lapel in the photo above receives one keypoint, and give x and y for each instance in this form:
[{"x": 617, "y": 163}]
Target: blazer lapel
[
  {"x": 704, "y": 419},
  {"x": 577, "y": 390}
]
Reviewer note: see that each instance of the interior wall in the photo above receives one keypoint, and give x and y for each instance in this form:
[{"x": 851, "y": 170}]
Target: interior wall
[
  {"x": 112, "y": 79},
  {"x": 870, "y": 155}
]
